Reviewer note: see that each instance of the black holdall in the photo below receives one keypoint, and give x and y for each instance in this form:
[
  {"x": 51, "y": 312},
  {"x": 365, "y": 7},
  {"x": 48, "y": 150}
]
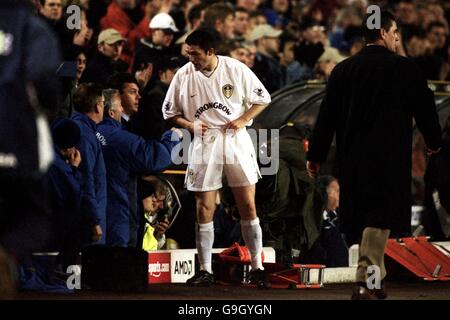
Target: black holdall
[{"x": 114, "y": 268}]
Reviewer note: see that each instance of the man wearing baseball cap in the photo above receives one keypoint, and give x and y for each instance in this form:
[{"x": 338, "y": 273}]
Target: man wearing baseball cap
[
  {"x": 267, "y": 67},
  {"x": 152, "y": 50},
  {"x": 106, "y": 61}
]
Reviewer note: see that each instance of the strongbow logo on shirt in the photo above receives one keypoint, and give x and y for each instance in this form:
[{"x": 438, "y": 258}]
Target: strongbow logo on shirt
[
  {"x": 259, "y": 92},
  {"x": 227, "y": 90},
  {"x": 212, "y": 105}
]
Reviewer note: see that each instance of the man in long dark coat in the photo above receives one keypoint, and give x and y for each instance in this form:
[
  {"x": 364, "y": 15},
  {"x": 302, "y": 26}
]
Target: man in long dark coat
[{"x": 370, "y": 104}]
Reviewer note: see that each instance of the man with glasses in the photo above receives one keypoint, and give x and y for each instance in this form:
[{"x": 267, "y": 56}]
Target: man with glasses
[
  {"x": 106, "y": 61},
  {"x": 267, "y": 67}
]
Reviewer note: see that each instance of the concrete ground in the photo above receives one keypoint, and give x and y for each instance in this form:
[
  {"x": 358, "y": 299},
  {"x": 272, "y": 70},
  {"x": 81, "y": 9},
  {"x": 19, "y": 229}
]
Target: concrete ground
[{"x": 405, "y": 290}]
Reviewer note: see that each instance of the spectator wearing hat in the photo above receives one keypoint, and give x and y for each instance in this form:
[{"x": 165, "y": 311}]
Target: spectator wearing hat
[
  {"x": 326, "y": 63},
  {"x": 151, "y": 50},
  {"x": 267, "y": 67},
  {"x": 131, "y": 20},
  {"x": 65, "y": 191},
  {"x": 126, "y": 155},
  {"x": 106, "y": 61},
  {"x": 150, "y": 107}
]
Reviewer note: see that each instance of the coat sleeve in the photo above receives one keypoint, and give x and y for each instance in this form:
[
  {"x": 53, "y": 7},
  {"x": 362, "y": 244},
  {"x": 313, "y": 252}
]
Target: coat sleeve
[
  {"x": 152, "y": 156},
  {"x": 89, "y": 202},
  {"x": 424, "y": 108},
  {"x": 325, "y": 127},
  {"x": 65, "y": 186}
]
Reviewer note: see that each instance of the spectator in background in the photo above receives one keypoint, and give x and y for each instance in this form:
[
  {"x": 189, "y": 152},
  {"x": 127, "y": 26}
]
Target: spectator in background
[
  {"x": 256, "y": 18},
  {"x": 292, "y": 69},
  {"x": 149, "y": 111},
  {"x": 152, "y": 50},
  {"x": 220, "y": 17},
  {"x": 238, "y": 51},
  {"x": 249, "y": 5},
  {"x": 81, "y": 60},
  {"x": 106, "y": 60},
  {"x": 52, "y": 13},
  {"x": 407, "y": 17},
  {"x": 312, "y": 45},
  {"x": 437, "y": 37},
  {"x": 241, "y": 24},
  {"x": 326, "y": 63},
  {"x": 267, "y": 67},
  {"x": 278, "y": 13},
  {"x": 345, "y": 30},
  {"x": 130, "y": 19},
  {"x": 89, "y": 105}
]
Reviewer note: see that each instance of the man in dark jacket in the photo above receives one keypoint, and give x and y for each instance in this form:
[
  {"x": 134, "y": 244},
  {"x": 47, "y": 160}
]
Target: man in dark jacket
[
  {"x": 89, "y": 103},
  {"x": 65, "y": 193},
  {"x": 106, "y": 61},
  {"x": 126, "y": 153},
  {"x": 370, "y": 104},
  {"x": 26, "y": 42}
]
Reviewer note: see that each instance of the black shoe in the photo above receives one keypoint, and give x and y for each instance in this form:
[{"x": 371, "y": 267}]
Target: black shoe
[
  {"x": 361, "y": 292},
  {"x": 201, "y": 279},
  {"x": 258, "y": 278}
]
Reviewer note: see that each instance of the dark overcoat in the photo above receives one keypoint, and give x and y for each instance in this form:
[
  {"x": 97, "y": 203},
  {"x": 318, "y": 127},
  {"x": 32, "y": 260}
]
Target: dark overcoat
[{"x": 370, "y": 103}]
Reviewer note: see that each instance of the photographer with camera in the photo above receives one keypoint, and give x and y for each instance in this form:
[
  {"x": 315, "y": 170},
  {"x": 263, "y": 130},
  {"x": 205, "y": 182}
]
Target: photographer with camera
[{"x": 155, "y": 207}]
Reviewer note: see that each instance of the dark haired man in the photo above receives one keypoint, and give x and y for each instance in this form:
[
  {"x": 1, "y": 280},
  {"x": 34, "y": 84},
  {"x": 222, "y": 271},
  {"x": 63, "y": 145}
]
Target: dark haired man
[
  {"x": 215, "y": 97},
  {"x": 370, "y": 103}
]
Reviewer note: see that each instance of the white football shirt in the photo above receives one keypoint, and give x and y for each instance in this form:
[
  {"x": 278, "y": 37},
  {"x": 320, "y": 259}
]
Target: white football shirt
[{"x": 218, "y": 99}]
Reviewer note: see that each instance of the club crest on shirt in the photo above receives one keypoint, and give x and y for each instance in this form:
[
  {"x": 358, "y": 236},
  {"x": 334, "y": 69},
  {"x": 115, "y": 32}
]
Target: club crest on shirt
[
  {"x": 259, "y": 92},
  {"x": 191, "y": 176},
  {"x": 167, "y": 105},
  {"x": 227, "y": 90}
]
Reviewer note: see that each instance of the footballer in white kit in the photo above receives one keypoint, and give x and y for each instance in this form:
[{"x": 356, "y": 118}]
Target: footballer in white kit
[{"x": 216, "y": 99}]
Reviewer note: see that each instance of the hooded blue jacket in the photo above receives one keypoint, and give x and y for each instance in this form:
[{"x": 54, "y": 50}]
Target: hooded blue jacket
[
  {"x": 92, "y": 168},
  {"x": 126, "y": 153}
]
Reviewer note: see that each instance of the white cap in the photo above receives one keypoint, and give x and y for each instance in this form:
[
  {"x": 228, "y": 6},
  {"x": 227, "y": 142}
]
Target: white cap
[
  {"x": 163, "y": 21},
  {"x": 264, "y": 30}
]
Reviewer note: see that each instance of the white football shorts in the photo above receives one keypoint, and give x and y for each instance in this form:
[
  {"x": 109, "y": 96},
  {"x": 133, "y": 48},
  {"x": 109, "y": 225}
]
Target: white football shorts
[{"x": 218, "y": 152}]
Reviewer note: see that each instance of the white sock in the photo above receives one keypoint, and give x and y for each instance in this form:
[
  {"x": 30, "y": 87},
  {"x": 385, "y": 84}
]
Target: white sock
[
  {"x": 252, "y": 234},
  {"x": 204, "y": 239}
]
